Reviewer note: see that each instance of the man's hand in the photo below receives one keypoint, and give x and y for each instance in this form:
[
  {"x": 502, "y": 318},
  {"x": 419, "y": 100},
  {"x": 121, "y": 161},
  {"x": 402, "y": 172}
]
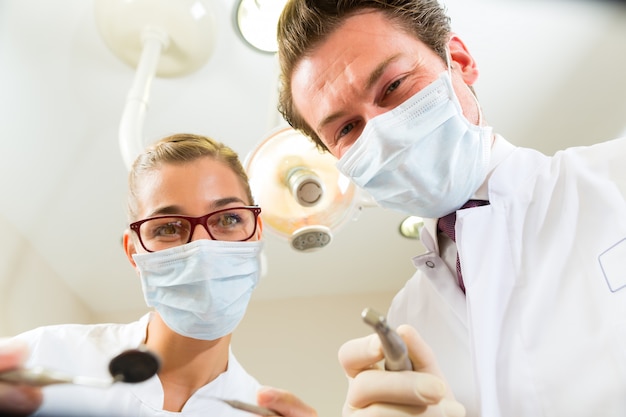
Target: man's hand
[{"x": 376, "y": 392}]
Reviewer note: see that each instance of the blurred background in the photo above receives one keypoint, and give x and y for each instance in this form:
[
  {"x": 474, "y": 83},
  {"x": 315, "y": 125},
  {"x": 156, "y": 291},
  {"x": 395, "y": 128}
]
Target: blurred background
[{"x": 552, "y": 76}]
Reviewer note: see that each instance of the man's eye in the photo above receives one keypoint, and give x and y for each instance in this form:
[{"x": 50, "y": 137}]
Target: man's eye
[
  {"x": 394, "y": 85},
  {"x": 346, "y": 129}
]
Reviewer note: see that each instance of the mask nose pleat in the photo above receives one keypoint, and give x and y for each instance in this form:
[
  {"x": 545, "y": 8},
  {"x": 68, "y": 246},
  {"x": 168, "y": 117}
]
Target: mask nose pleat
[
  {"x": 201, "y": 289},
  {"x": 423, "y": 158}
]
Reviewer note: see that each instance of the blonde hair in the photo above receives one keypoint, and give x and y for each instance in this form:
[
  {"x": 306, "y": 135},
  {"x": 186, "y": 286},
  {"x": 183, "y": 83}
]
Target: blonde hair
[{"x": 180, "y": 149}]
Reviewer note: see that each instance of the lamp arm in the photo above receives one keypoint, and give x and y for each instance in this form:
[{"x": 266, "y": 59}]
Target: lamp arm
[{"x": 131, "y": 125}]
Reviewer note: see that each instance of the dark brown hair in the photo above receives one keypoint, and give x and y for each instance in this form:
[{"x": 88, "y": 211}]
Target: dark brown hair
[{"x": 304, "y": 24}]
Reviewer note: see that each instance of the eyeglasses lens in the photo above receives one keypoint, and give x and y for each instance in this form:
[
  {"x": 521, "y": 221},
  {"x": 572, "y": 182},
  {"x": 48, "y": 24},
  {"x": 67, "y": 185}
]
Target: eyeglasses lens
[{"x": 228, "y": 225}]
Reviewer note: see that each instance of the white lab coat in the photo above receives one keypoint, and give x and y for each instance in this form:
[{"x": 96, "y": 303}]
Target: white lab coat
[
  {"x": 542, "y": 329},
  {"x": 87, "y": 349}
]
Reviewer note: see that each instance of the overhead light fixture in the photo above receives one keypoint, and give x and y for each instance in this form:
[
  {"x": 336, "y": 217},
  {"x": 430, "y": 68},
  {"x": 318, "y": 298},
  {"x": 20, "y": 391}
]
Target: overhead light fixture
[
  {"x": 305, "y": 199},
  {"x": 410, "y": 227},
  {"x": 257, "y": 21},
  {"x": 158, "y": 38}
]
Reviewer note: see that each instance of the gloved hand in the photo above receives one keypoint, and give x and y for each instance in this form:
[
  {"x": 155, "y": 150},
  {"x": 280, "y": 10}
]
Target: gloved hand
[
  {"x": 284, "y": 402},
  {"x": 373, "y": 391},
  {"x": 16, "y": 400}
]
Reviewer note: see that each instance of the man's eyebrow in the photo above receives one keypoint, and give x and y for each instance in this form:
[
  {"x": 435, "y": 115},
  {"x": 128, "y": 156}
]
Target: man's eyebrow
[
  {"x": 329, "y": 119},
  {"x": 379, "y": 71},
  {"x": 371, "y": 81}
]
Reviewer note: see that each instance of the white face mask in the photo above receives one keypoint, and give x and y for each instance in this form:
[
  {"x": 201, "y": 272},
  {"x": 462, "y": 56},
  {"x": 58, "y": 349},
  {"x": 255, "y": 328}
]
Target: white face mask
[
  {"x": 201, "y": 289},
  {"x": 423, "y": 157}
]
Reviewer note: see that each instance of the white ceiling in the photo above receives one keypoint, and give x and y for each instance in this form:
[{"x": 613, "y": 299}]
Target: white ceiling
[{"x": 552, "y": 75}]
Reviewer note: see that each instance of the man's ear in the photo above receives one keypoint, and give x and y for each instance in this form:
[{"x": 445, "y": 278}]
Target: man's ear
[
  {"x": 462, "y": 60},
  {"x": 129, "y": 247}
]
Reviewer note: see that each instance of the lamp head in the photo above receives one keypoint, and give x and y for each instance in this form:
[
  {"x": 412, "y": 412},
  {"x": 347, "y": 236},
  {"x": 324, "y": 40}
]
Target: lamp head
[{"x": 303, "y": 195}]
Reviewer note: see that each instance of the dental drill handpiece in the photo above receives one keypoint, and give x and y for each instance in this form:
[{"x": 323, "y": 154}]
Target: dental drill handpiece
[{"x": 394, "y": 348}]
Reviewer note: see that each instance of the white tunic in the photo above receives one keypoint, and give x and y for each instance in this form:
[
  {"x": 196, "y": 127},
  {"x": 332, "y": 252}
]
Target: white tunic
[
  {"x": 87, "y": 349},
  {"x": 542, "y": 329}
]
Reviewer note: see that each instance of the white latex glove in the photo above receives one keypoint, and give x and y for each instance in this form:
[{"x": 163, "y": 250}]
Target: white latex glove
[
  {"x": 373, "y": 391},
  {"x": 284, "y": 402},
  {"x": 16, "y": 400}
]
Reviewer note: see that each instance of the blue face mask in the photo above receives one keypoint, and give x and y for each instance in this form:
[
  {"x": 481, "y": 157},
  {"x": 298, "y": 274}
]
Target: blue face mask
[
  {"x": 201, "y": 289},
  {"x": 422, "y": 158}
]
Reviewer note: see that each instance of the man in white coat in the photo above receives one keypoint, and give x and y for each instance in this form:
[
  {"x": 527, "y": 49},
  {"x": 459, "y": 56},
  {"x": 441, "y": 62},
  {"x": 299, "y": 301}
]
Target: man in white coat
[{"x": 536, "y": 323}]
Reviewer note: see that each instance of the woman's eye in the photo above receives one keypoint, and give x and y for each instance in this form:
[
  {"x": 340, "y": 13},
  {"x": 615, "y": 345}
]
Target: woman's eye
[
  {"x": 168, "y": 229},
  {"x": 228, "y": 220}
]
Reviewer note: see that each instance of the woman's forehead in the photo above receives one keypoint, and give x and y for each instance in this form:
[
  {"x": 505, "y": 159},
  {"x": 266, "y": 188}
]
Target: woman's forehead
[{"x": 193, "y": 186}]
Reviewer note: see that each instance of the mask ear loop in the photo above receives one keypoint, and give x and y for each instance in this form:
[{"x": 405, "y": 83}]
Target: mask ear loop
[
  {"x": 449, "y": 65},
  {"x": 449, "y": 62}
]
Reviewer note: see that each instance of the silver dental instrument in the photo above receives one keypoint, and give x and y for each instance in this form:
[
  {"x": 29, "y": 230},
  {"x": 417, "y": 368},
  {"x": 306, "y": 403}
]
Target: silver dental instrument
[
  {"x": 394, "y": 348},
  {"x": 251, "y": 408},
  {"x": 133, "y": 365}
]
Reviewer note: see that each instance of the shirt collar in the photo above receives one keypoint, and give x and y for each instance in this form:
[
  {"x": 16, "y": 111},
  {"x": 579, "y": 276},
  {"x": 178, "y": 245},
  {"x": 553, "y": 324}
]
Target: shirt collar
[{"x": 500, "y": 149}]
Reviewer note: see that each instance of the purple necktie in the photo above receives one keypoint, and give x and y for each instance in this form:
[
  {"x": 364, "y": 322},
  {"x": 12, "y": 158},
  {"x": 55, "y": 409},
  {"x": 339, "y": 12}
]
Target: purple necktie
[{"x": 446, "y": 225}]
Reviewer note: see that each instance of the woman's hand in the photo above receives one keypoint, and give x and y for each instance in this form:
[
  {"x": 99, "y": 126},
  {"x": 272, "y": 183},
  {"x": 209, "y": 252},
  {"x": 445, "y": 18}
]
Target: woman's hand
[
  {"x": 16, "y": 399},
  {"x": 284, "y": 402}
]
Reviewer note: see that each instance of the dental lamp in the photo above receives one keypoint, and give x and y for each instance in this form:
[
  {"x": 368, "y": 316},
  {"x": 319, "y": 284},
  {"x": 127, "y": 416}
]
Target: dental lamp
[
  {"x": 257, "y": 21},
  {"x": 159, "y": 38},
  {"x": 305, "y": 199}
]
